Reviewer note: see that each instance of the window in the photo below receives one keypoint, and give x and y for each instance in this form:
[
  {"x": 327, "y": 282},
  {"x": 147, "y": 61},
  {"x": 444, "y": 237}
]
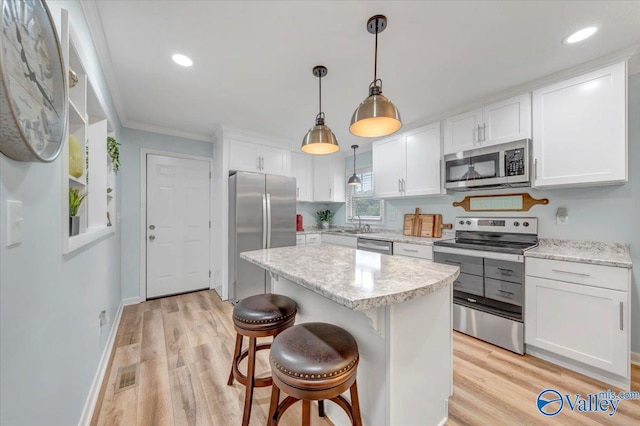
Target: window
[{"x": 360, "y": 201}]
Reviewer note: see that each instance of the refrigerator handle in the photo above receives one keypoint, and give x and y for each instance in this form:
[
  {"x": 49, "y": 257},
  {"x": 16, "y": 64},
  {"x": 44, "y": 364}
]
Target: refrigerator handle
[
  {"x": 264, "y": 221},
  {"x": 268, "y": 220}
]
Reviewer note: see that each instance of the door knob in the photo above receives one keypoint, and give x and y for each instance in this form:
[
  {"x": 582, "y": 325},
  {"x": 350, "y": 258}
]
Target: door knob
[
  {"x": 152, "y": 227},
  {"x": 152, "y": 237}
]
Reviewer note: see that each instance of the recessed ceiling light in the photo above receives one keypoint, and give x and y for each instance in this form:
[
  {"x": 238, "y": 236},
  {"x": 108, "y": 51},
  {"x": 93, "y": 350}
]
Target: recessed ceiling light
[
  {"x": 185, "y": 61},
  {"x": 581, "y": 35}
]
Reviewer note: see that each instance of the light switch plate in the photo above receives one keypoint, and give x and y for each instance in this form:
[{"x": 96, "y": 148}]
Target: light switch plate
[{"x": 14, "y": 222}]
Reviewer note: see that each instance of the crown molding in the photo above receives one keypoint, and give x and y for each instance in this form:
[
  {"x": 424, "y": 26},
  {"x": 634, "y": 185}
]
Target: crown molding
[
  {"x": 94, "y": 22},
  {"x": 166, "y": 131}
]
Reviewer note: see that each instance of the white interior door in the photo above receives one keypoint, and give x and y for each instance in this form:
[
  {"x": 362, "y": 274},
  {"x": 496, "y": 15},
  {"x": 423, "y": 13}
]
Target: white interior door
[{"x": 177, "y": 227}]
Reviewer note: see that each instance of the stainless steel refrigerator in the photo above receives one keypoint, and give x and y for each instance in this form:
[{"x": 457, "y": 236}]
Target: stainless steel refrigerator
[{"x": 262, "y": 214}]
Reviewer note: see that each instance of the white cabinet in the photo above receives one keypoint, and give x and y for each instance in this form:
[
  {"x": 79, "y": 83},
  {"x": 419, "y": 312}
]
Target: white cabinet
[
  {"x": 303, "y": 172},
  {"x": 580, "y": 130},
  {"x": 408, "y": 165},
  {"x": 300, "y": 239},
  {"x": 505, "y": 121},
  {"x": 329, "y": 178},
  {"x": 413, "y": 250},
  {"x": 313, "y": 239},
  {"x": 580, "y": 312},
  {"x": 340, "y": 240},
  {"x": 251, "y": 157}
]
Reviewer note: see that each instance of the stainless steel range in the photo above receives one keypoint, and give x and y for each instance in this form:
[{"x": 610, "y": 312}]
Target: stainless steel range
[{"x": 488, "y": 296}]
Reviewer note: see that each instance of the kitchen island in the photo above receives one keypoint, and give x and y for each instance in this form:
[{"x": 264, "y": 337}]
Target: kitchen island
[{"x": 399, "y": 311}]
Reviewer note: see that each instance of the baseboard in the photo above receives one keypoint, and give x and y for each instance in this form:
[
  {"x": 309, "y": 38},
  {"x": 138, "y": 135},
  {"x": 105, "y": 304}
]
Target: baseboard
[
  {"x": 635, "y": 358},
  {"x": 94, "y": 391},
  {"x": 131, "y": 300}
]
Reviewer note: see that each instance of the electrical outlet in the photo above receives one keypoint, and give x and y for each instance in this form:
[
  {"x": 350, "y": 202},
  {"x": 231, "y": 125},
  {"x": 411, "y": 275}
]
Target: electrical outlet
[{"x": 103, "y": 318}]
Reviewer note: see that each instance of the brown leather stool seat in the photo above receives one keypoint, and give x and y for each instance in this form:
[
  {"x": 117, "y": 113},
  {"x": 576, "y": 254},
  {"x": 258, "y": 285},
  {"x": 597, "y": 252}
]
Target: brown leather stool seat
[
  {"x": 314, "y": 361},
  {"x": 262, "y": 315}
]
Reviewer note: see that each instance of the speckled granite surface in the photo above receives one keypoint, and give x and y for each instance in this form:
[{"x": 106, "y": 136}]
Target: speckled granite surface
[
  {"x": 353, "y": 278},
  {"x": 593, "y": 252},
  {"x": 386, "y": 235}
]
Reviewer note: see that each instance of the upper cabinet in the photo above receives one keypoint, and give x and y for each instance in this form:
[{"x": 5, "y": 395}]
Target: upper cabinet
[
  {"x": 329, "y": 178},
  {"x": 249, "y": 157},
  {"x": 580, "y": 130},
  {"x": 500, "y": 122},
  {"x": 303, "y": 172},
  {"x": 408, "y": 164}
]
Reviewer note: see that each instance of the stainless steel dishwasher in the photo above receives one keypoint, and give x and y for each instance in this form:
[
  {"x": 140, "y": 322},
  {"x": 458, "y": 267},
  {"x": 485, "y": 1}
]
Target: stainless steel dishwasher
[{"x": 376, "y": 246}]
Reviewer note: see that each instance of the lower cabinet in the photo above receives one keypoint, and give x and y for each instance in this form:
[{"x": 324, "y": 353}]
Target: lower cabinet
[
  {"x": 588, "y": 323},
  {"x": 308, "y": 239},
  {"x": 413, "y": 250},
  {"x": 340, "y": 240}
]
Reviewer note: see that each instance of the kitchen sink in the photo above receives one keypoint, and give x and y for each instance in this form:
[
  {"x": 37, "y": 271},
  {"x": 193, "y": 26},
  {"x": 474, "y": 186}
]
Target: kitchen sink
[{"x": 350, "y": 231}]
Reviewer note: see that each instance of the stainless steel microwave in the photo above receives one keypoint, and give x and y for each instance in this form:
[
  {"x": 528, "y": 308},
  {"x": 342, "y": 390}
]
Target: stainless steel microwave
[{"x": 498, "y": 166}]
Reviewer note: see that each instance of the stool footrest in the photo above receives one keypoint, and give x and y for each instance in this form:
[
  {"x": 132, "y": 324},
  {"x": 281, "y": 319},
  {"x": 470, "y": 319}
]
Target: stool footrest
[{"x": 242, "y": 378}]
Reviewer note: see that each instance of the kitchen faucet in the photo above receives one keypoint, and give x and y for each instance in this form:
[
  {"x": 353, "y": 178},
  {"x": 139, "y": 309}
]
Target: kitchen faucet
[{"x": 359, "y": 228}]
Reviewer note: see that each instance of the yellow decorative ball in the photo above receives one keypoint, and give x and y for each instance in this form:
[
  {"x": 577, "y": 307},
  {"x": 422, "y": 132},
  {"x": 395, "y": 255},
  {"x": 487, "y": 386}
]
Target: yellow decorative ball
[{"x": 75, "y": 157}]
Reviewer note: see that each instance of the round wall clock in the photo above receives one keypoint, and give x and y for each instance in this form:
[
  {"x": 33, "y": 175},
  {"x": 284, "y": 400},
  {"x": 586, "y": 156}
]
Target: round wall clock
[{"x": 33, "y": 91}]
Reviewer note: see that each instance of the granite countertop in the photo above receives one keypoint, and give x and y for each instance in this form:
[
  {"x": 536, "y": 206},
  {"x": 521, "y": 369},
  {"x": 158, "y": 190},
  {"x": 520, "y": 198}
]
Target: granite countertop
[
  {"x": 593, "y": 252},
  {"x": 353, "y": 278},
  {"x": 384, "y": 235}
]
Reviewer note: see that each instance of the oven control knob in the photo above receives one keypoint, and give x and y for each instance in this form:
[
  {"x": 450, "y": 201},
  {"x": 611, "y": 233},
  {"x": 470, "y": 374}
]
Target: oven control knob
[
  {"x": 516, "y": 223},
  {"x": 461, "y": 222},
  {"x": 468, "y": 222},
  {"x": 525, "y": 223}
]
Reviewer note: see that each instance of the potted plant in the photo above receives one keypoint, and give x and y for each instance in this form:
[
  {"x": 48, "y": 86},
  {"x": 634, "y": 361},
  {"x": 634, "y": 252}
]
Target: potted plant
[
  {"x": 324, "y": 218},
  {"x": 75, "y": 199},
  {"x": 114, "y": 153}
]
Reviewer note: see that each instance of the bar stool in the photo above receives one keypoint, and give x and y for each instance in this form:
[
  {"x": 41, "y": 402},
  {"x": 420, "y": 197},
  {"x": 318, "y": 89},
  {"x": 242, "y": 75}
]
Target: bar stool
[
  {"x": 313, "y": 362},
  {"x": 257, "y": 316}
]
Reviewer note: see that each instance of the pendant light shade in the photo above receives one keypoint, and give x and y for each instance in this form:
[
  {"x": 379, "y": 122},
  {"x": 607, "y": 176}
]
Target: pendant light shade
[
  {"x": 376, "y": 116},
  {"x": 354, "y": 180},
  {"x": 320, "y": 140}
]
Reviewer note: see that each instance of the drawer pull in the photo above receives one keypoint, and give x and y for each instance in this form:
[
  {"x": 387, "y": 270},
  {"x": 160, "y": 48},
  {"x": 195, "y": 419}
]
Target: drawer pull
[
  {"x": 621, "y": 318},
  {"x": 505, "y": 271},
  {"x": 471, "y": 300},
  {"x": 453, "y": 261},
  {"x": 506, "y": 292},
  {"x": 571, "y": 273},
  {"x": 410, "y": 250}
]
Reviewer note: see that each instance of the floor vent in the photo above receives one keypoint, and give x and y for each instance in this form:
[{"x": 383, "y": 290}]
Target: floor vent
[{"x": 127, "y": 377}]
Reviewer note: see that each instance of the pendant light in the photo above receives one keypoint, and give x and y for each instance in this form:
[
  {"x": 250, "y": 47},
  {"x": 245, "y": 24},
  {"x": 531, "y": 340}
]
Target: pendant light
[
  {"x": 376, "y": 115},
  {"x": 354, "y": 180},
  {"x": 320, "y": 140}
]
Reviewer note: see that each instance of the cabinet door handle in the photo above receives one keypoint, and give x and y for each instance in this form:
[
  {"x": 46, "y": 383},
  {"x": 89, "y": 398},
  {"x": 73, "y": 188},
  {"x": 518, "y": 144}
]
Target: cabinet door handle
[
  {"x": 510, "y": 293},
  {"x": 535, "y": 169},
  {"x": 478, "y": 135},
  {"x": 621, "y": 317},
  {"x": 453, "y": 261},
  {"x": 410, "y": 250},
  {"x": 484, "y": 132},
  {"x": 258, "y": 160},
  {"x": 399, "y": 185},
  {"x": 571, "y": 273},
  {"x": 505, "y": 271},
  {"x": 297, "y": 192},
  {"x": 329, "y": 193},
  {"x": 404, "y": 186}
]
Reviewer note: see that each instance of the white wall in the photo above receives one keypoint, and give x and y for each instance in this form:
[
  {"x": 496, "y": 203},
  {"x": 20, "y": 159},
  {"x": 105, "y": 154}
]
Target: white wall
[
  {"x": 50, "y": 338},
  {"x": 132, "y": 142}
]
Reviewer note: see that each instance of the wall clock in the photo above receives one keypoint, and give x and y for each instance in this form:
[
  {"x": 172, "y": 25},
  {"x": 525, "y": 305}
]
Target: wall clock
[{"x": 33, "y": 91}]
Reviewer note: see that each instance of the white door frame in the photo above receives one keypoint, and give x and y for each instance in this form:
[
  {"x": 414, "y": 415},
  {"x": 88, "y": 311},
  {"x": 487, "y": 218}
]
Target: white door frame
[{"x": 143, "y": 211}]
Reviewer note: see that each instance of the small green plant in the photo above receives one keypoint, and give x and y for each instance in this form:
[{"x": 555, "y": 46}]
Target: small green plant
[
  {"x": 114, "y": 153},
  {"x": 324, "y": 215},
  {"x": 75, "y": 199}
]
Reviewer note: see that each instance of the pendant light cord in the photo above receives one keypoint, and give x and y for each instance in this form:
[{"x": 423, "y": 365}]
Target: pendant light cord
[
  {"x": 319, "y": 95},
  {"x": 375, "y": 61}
]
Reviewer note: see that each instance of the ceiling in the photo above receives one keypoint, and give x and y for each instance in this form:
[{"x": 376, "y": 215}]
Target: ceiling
[{"x": 253, "y": 59}]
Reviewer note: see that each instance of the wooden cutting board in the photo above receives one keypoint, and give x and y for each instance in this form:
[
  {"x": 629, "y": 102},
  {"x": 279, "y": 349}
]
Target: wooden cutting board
[{"x": 423, "y": 225}]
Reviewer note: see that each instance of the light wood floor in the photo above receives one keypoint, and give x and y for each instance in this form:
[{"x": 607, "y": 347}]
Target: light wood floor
[{"x": 184, "y": 345}]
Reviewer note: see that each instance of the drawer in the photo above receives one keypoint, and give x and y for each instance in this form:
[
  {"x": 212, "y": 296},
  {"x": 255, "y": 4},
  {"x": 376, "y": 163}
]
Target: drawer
[
  {"x": 580, "y": 273},
  {"x": 471, "y": 284},
  {"x": 503, "y": 291},
  {"x": 313, "y": 239},
  {"x": 503, "y": 270},
  {"x": 340, "y": 240},
  {"x": 413, "y": 250},
  {"x": 300, "y": 240},
  {"x": 467, "y": 264}
]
